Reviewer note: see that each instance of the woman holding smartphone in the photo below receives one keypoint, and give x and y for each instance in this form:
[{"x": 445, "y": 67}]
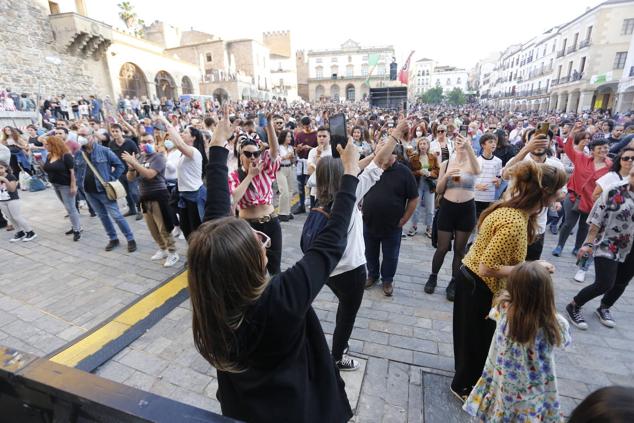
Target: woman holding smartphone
[
  {"x": 260, "y": 333},
  {"x": 457, "y": 212}
]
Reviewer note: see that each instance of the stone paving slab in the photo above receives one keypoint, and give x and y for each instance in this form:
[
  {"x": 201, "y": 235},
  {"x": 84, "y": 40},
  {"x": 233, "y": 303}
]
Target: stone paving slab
[
  {"x": 406, "y": 339},
  {"x": 53, "y": 290}
]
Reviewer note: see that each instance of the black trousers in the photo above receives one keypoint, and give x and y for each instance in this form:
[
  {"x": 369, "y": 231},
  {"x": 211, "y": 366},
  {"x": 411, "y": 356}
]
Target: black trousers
[
  {"x": 189, "y": 218},
  {"x": 534, "y": 250},
  {"x": 274, "y": 253},
  {"x": 348, "y": 287},
  {"x": 610, "y": 281},
  {"x": 472, "y": 329}
]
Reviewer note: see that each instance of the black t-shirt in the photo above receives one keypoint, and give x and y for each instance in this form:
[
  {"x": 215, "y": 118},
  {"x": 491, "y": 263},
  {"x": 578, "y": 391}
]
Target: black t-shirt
[
  {"x": 5, "y": 194},
  {"x": 90, "y": 182},
  {"x": 35, "y": 142},
  {"x": 59, "y": 171},
  {"x": 128, "y": 146},
  {"x": 384, "y": 204}
]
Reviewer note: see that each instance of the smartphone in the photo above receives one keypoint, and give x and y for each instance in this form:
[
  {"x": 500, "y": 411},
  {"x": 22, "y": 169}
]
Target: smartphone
[
  {"x": 338, "y": 133},
  {"x": 542, "y": 129},
  {"x": 463, "y": 130}
]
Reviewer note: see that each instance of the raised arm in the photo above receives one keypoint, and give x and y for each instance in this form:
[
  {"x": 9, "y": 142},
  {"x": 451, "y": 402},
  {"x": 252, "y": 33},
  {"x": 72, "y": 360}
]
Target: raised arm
[
  {"x": 398, "y": 135},
  {"x": 218, "y": 202},
  {"x": 271, "y": 136},
  {"x": 187, "y": 150},
  {"x": 540, "y": 141},
  {"x": 298, "y": 286}
]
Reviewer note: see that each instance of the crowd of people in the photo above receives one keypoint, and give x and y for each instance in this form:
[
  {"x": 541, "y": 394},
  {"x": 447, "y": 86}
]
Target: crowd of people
[{"x": 485, "y": 185}]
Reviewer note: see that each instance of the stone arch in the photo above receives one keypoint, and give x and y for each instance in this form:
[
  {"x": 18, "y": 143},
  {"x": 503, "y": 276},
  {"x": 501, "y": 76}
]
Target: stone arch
[
  {"x": 186, "y": 85},
  {"x": 220, "y": 95},
  {"x": 335, "y": 92},
  {"x": 319, "y": 91},
  {"x": 165, "y": 85},
  {"x": 132, "y": 81},
  {"x": 350, "y": 92}
]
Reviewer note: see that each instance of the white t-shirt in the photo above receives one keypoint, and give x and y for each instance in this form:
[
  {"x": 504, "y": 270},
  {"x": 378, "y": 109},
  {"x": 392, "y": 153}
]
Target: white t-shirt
[
  {"x": 489, "y": 170},
  {"x": 608, "y": 179},
  {"x": 171, "y": 164},
  {"x": 284, "y": 151},
  {"x": 354, "y": 254},
  {"x": 312, "y": 159},
  {"x": 189, "y": 171}
]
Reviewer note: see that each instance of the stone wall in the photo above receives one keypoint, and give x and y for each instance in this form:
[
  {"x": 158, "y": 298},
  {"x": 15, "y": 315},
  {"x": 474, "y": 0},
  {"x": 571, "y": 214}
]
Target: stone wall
[{"x": 27, "y": 39}]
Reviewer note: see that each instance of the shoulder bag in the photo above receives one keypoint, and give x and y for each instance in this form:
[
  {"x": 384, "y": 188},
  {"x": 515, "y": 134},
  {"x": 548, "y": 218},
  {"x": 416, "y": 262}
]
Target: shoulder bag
[{"x": 114, "y": 189}]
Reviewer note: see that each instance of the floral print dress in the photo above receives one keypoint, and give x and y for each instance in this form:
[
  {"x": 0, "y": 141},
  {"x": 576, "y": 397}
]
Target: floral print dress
[{"x": 518, "y": 383}]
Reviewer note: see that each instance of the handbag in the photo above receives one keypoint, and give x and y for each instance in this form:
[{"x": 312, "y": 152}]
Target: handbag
[
  {"x": 24, "y": 179},
  {"x": 114, "y": 189}
]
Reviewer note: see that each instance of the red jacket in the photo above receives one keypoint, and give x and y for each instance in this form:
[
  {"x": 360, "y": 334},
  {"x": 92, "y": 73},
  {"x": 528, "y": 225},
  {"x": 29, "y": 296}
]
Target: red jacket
[{"x": 584, "y": 178}]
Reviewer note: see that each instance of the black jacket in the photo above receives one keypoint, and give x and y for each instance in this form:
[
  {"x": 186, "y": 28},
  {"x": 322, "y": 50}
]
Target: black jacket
[{"x": 290, "y": 376}]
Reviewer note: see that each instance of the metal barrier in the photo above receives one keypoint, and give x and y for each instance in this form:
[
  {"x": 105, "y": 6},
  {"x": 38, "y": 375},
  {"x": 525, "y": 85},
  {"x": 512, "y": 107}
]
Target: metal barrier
[{"x": 34, "y": 389}]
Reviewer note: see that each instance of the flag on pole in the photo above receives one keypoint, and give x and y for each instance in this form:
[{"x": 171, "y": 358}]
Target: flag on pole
[
  {"x": 373, "y": 60},
  {"x": 403, "y": 75}
]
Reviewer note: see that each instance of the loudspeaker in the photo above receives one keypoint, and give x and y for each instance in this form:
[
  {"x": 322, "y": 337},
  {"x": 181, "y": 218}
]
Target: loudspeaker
[
  {"x": 393, "y": 71},
  {"x": 389, "y": 98}
]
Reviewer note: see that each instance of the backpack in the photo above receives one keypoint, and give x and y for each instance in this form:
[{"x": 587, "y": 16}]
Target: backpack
[{"x": 314, "y": 224}]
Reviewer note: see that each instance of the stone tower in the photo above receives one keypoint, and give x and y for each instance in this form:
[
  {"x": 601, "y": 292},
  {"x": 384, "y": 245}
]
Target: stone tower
[{"x": 278, "y": 42}]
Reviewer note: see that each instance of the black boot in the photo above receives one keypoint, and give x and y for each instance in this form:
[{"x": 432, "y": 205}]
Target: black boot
[{"x": 430, "y": 286}]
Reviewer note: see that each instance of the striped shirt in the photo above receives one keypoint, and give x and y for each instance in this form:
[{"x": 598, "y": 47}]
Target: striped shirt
[
  {"x": 490, "y": 169},
  {"x": 260, "y": 192}
]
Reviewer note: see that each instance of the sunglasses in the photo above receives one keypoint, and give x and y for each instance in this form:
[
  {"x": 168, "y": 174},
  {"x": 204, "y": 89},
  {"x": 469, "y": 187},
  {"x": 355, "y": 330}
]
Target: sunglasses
[
  {"x": 441, "y": 131},
  {"x": 279, "y": 123},
  {"x": 251, "y": 154},
  {"x": 263, "y": 238},
  {"x": 627, "y": 158}
]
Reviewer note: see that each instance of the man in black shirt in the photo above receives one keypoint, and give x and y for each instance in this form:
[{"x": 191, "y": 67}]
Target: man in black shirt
[
  {"x": 386, "y": 208},
  {"x": 118, "y": 145}
]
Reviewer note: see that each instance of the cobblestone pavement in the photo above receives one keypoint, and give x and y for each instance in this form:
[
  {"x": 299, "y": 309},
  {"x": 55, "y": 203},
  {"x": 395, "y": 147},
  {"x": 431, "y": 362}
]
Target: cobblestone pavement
[{"x": 52, "y": 290}]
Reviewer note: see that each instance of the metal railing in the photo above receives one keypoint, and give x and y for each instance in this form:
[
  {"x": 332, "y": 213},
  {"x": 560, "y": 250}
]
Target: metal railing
[
  {"x": 34, "y": 389},
  {"x": 584, "y": 43},
  {"x": 571, "y": 49},
  {"x": 561, "y": 53}
]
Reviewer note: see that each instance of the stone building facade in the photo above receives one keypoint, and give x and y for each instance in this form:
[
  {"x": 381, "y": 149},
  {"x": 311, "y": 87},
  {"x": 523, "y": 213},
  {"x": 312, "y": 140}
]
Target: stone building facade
[{"x": 32, "y": 61}]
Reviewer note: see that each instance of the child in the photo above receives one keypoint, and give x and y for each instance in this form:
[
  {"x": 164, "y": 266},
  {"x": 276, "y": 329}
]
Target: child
[
  {"x": 490, "y": 170},
  {"x": 518, "y": 382},
  {"x": 10, "y": 204}
]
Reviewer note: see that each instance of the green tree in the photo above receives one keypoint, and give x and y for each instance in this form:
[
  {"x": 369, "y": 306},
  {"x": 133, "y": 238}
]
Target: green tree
[
  {"x": 129, "y": 17},
  {"x": 433, "y": 96},
  {"x": 456, "y": 97}
]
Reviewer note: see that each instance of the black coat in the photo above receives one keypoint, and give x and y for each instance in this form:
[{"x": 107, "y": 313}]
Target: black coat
[{"x": 290, "y": 376}]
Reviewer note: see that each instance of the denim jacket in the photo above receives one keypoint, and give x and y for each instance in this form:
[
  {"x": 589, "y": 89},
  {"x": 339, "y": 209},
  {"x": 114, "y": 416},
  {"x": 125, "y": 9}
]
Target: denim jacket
[{"x": 104, "y": 160}]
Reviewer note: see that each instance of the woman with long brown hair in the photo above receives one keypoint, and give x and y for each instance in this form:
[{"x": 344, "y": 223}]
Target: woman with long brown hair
[
  {"x": 261, "y": 334},
  {"x": 60, "y": 168},
  {"x": 504, "y": 231},
  {"x": 19, "y": 148}
]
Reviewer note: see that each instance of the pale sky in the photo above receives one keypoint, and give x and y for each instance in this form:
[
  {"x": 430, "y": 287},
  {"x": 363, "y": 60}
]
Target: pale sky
[{"x": 452, "y": 32}]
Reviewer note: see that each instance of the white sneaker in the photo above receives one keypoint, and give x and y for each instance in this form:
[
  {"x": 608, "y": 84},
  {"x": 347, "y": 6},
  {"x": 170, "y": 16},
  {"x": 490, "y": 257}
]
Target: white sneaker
[
  {"x": 580, "y": 276},
  {"x": 159, "y": 255},
  {"x": 172, "y": 259},
  {"x": 181, "y": 236},
  {"x": 82, "y": 204},
  {"x": 176, "y": 232}
]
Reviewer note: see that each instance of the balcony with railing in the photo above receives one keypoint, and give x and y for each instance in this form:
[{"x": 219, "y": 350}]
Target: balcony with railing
[
  {"x": 576, "y": 76},
  {"x": 561, "y": 53},
  {"x": 571, "y": 49},
  {"x": 584, "y": 44}
]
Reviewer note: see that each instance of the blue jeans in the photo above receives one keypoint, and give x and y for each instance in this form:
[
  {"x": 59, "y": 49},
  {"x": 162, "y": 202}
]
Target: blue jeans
[
  {"x": 425, "y": 206},
  {"x": 68, "y": 200},
  {"x": 391, "y": 245},
  {"x": 106, "y": 209},
  {"x": 132, "y": 192}
]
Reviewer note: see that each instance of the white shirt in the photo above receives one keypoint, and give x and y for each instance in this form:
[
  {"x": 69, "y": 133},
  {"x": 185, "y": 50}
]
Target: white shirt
[
  {"x": 354, "y": 254},
  {"x": 435, "y": 148},
  {"x": 189, "y": 171},
  {"x": 284, "y": 151},
  {"x": 171, "y": 164},
  {"x": 312, "y": 159},
  {"x": 490, "y": 169},
  {"x": 609, "y": 179}
]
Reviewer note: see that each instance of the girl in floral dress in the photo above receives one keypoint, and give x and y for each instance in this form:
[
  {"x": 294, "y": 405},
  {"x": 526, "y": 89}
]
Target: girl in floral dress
[{"x": 518, "y": 383}]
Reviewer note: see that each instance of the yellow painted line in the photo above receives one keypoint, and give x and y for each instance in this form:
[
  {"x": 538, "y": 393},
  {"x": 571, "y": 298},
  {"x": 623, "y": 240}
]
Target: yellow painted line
[
  {"x": 294, "y": 201},
  {"x": 122, "y": 322}
]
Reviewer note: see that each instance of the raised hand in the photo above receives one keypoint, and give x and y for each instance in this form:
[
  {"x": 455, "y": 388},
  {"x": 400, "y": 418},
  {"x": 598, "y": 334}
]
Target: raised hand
[{"x": 350, "y": 158}]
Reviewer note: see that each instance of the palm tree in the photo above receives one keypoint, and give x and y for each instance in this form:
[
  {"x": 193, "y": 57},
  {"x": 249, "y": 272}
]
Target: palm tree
[{"x": 129, "y": 17}]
